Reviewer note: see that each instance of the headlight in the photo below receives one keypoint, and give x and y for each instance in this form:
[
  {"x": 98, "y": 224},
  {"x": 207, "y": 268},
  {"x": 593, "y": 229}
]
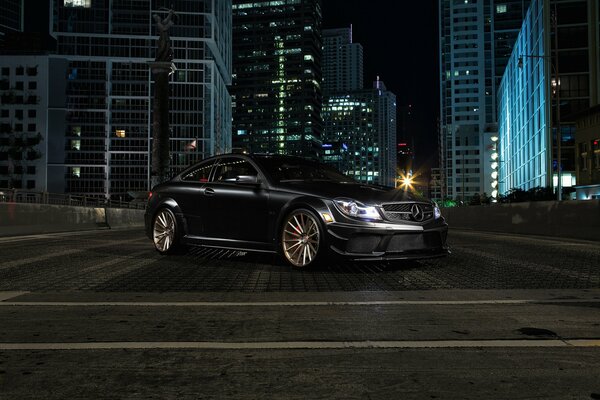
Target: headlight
[
  {"x": 436, "y": 212},
  {"x": 357, "y": 210}
]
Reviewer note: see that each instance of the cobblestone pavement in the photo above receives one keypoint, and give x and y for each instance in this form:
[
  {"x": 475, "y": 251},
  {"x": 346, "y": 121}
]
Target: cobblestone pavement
[
  {"x": 101, "y": 315},
  {"x": 124, "y": 261}
]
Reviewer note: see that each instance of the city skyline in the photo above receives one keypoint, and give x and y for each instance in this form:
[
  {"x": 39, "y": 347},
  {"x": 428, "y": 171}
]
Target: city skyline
[
  {"x": 400, "y": 42},
  {"x": 398, "y": 22},
  {"x": 472, "y": 39}
]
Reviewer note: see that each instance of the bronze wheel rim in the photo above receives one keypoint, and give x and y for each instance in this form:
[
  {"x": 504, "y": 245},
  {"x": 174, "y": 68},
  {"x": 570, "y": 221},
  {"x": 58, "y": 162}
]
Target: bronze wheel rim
[
  {"x": 164, "y": 230},
  {"x": 300, "y": 238}
]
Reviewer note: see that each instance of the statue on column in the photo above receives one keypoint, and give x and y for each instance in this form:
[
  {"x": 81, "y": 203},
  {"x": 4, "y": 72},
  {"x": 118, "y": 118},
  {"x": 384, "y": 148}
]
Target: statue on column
[
  {"x": 161, "y": 68},
  {"x": 164, "y": 53}
]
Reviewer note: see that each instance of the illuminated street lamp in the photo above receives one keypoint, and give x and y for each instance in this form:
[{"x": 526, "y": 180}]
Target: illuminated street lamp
[
  {"x": 405, "y": 180},
  {"x": 495, "y": 164}
]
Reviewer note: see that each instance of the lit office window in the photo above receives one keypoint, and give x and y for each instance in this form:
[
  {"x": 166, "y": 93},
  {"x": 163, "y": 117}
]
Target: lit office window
[
  {"x": 78, "y": 3},
  {"x": 120, "y": 133},
  {"x": 501, "y": 8}
]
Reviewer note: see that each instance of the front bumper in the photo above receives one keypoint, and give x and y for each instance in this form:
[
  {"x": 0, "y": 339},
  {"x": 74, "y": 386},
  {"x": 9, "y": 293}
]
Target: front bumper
[{"x": 384, "y": 241}]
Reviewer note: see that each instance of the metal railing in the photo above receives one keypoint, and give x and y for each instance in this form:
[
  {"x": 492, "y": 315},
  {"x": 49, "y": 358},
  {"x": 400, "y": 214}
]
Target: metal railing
[{"x": 65, "y": 199}]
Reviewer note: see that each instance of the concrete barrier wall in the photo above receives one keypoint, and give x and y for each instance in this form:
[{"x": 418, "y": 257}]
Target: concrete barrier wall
[
  {"x": 29, "y": 219},
  {"x": 570, "y": 219},
  {"x": 124, "y": 218}
]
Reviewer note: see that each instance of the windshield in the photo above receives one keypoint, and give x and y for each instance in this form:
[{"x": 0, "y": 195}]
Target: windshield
[{"x": 296, "y": 169}]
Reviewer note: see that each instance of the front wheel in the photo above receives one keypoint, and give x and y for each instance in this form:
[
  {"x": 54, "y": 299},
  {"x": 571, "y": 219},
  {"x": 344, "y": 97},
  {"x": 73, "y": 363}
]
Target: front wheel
[
  {"x": 164, "y": 232},
  {"x": 301, "y": 238}
]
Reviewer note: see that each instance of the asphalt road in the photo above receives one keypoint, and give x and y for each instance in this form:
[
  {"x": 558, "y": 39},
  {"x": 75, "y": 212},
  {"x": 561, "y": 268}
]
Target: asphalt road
[{"x": 101, "y": 315}]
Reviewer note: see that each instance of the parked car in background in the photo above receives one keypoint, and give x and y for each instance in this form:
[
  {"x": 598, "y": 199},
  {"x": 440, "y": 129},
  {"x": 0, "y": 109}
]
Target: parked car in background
[{"x": 301, "y": 209}]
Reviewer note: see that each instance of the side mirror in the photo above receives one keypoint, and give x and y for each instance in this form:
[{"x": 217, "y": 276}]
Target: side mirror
[{"x": 247, "y": 180}]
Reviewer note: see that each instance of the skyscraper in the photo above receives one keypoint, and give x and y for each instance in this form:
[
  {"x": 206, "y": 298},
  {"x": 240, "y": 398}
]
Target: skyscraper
[
  {"x": 276, "y": 87},
  {"x": 102, "y": 123},
  {"x": 359, "y": 124},
  {"x": 476, "y": 38},
  {"x": 360, "y": 134},
  {"x": 342, "y": 61},
  {"x": 528, "y": 140}
]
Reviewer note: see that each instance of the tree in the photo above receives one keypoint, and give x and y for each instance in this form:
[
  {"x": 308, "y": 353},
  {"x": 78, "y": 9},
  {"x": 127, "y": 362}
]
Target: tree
[
  {"x": 475, "y": 200},
  {"x": 485, "y": 198},
  {"x": 20, "y": 150}
]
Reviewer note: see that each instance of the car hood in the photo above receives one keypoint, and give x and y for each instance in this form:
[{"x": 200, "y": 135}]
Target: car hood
[{"x": 366, "y": 194}]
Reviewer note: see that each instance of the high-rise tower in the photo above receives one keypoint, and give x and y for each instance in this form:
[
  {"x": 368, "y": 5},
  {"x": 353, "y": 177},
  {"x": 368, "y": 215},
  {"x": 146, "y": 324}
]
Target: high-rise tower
[
  {"x": 359, "y": 124},
  {"x": 277, "y": 76},
  {"x": 476, "y": 39},
  {"x": 100, "y": 124},
  {"x": 342, "y": 61},
  {"x": 550, "y": 74}
]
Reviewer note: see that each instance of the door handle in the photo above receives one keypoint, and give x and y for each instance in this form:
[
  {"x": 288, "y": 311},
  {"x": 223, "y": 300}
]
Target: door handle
[{"x": 209, "y": 192}]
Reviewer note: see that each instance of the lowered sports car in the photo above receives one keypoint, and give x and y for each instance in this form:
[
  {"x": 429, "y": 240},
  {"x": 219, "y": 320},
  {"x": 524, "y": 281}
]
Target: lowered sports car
[{"x": 298, "y": 208}]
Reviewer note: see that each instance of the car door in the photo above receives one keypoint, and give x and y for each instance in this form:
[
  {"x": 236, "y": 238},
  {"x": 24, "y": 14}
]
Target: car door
[
  {"x": 234, "y": 210},
  {"x": 190, "y": 196}
]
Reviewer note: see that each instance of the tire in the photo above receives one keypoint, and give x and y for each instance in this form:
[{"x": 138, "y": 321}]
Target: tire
[
  {"x": 165, "y": 232},
  {"x": 302, "y": 241}
]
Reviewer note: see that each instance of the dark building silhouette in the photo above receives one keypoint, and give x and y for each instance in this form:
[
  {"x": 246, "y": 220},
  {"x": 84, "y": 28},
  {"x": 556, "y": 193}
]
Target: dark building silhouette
[
  {"x": 276, "y": 88},
  {"x": 11, "y": 17}
]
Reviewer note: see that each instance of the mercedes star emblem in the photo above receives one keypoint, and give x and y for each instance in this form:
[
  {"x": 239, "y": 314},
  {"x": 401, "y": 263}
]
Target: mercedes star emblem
[{"x": 417, "y": 212}]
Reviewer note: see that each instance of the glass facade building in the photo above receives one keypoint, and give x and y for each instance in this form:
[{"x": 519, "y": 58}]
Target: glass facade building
[
  {"x": 476, "y": 39},
  {"x": 528, "y": 151},
  {"x": 523, "y": 150},
  {"x": 105, "y": 121},
  {"x": 342, "y": 61},
  {"x": 276, "y": 89},
  {"x": 360, "y": 134}
]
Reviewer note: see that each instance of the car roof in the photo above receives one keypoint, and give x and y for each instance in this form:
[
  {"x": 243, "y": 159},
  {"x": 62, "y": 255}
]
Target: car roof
[
  {"x": 279, "y": 156},
  {"x": 252, "y": 156}
]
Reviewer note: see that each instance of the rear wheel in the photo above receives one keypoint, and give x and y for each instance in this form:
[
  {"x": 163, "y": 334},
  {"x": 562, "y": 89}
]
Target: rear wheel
[
  {"x": 301, "y": 238},
  {"x": 165, "y": 232}
]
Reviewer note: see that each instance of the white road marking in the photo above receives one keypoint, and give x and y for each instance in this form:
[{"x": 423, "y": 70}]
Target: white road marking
[
  {"x": 391, "y": 344},
  {"x": 286, "y": 303},
  {"x": 15, "y": 239},
  {"x": 9, "y": 295},
  {"x": 23, "y": 261}
]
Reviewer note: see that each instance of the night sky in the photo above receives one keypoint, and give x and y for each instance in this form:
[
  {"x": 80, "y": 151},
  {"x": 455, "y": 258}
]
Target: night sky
[{"x": 400, "y": 44}]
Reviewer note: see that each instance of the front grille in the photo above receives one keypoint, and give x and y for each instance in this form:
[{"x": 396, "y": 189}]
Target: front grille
[
  {"x": 400, "y": 212},
  {"x": 398, "y": 207},
  {"x": 413, "y": 242}
]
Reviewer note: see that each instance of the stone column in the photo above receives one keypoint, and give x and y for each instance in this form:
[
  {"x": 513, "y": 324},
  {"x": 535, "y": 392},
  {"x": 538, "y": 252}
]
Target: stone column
[
  {"x": 160, "y": 122},
  {"x": 161, "y": 68}
]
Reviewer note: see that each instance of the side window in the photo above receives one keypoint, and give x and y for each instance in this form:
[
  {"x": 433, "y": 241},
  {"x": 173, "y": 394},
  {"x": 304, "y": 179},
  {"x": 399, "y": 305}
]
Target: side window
[
  {"x": 199, "y": 174},
  {"x": 229, "y": 168}
]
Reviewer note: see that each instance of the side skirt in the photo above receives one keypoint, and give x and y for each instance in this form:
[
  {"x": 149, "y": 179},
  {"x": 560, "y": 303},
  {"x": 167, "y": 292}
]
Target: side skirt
[{"x": 228, "y": 244}]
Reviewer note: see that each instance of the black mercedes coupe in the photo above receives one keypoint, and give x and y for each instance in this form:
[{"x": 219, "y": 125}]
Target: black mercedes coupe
[{"x": 298, "y": 208}]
